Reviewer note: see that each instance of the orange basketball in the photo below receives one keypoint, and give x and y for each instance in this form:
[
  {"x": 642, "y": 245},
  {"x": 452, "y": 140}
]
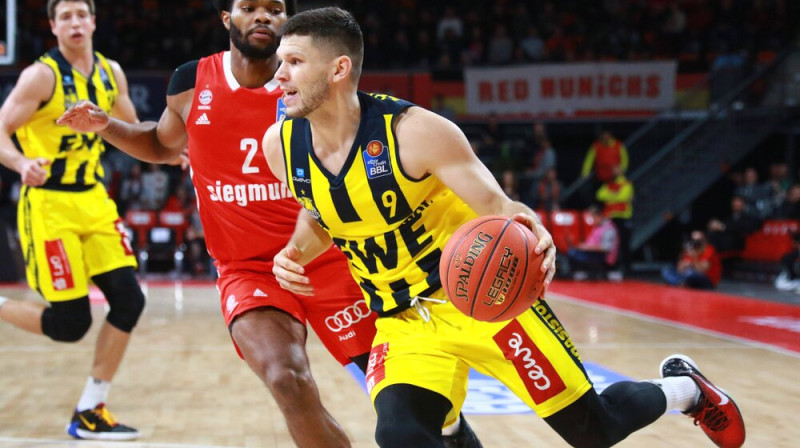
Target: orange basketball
[{"x": 489, "y": 269}]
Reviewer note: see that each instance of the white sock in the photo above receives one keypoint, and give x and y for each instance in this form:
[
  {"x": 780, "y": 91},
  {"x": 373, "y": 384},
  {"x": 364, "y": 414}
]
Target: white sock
[
  {"x": 95, "y": 392},
  {"x": 452, "y": 429},
  {"x": 3, "y": 300},
  {"x": 681, "y": 391}
]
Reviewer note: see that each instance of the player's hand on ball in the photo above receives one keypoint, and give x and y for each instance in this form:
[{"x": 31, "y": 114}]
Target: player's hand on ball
[{"x": 545, "y": 245}]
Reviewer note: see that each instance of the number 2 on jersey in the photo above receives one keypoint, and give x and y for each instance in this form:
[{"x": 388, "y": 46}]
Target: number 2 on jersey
[{"x": 251, "y": 146}]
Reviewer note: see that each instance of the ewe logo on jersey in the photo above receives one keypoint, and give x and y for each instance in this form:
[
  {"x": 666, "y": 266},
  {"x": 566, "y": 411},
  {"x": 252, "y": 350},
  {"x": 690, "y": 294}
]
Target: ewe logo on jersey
[{"x": 376, "y": 160}]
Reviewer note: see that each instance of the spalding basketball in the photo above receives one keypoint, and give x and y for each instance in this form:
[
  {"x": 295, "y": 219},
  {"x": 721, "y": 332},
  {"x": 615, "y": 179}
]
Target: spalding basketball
[{"x": 489, "y": 269}]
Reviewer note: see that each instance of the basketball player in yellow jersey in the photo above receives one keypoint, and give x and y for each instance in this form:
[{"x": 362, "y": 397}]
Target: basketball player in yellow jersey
[
  {"x": 70, "y": 231},
  {"x": 389, "y": 183}
]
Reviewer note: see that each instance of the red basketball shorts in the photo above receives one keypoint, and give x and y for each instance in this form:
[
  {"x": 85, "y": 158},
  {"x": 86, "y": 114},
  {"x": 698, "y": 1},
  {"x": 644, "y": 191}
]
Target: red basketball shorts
[{"x": 337, "y": 312}]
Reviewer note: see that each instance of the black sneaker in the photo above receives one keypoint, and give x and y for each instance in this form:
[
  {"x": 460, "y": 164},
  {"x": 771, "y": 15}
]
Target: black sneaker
[
  {"x": 715, "y": 412},
  {"x": 99, "y": 424},
  {"x": 464, "y": 438}
]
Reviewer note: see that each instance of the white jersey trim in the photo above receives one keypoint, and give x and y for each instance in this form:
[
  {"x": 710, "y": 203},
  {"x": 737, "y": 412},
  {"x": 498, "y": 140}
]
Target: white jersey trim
[{"x": 233, "y": 83}]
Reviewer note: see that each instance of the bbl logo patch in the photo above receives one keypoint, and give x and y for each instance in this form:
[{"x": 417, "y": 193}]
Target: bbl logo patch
[{"x": 376, "y": 160}]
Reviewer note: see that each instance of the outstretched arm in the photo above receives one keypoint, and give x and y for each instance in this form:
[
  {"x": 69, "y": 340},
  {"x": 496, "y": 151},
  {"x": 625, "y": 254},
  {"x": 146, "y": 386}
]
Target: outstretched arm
[{"x": 149, "y": 141}]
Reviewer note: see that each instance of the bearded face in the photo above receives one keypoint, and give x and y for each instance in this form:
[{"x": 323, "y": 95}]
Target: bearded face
[{"x": 251, "y": 47}]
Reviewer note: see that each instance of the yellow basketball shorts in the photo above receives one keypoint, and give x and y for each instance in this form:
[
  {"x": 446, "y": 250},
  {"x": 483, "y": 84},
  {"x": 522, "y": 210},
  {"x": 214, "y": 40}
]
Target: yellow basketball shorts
[
  {"x": 532, "y": 355},
  {"x": 68, "y": 237}
]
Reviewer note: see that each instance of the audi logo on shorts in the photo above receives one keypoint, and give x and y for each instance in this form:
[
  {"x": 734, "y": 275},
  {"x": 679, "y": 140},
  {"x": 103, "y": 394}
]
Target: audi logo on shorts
[{"x": 348, "y": 316}]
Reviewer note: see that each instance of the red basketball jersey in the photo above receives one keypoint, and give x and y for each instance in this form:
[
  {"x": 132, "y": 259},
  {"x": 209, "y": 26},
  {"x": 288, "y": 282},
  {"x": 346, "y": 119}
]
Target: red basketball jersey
[{"x": 247, "y": 213}]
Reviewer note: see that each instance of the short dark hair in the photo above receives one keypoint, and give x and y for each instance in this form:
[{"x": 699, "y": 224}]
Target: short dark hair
[
  {"x": 226, "y": 5},
  {"x": 333, "y": 26},
  {"x": 51, "y": 6}
]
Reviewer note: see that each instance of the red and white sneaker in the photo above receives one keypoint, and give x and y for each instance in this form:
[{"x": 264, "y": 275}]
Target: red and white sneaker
[{"x": 715, "y": 411}]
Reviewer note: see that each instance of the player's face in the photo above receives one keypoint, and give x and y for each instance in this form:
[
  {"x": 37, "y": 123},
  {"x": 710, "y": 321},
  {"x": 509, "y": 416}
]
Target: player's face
[
  {"x": 305, "y": 75},
  {"x": 73, "y": 24},
  {"x": 254, "y": 26}
]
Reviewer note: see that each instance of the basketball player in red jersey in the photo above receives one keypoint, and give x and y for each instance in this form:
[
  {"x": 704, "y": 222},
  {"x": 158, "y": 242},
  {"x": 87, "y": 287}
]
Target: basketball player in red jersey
[{"x": 221, "y": 106}]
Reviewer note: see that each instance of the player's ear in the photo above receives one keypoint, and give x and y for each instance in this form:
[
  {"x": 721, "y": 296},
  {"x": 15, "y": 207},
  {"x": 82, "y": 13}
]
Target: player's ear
[
  {"x": 343, "y": 68},
  {"x": 226, "y": 19}
]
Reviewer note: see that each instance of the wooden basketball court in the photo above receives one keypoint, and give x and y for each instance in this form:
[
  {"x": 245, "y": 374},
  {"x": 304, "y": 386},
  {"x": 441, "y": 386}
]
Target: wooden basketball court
[{"x": 183, "y": 386}]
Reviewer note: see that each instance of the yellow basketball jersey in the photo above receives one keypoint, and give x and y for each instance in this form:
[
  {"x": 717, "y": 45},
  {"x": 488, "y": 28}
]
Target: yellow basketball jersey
[
  {"x": 75, "y": 158},
  {"x": 391, "y": 227}
]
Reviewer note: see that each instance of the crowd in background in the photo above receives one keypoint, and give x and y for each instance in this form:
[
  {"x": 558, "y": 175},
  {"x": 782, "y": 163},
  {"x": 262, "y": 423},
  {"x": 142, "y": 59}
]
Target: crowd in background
[{"x": 447, "y": 35}]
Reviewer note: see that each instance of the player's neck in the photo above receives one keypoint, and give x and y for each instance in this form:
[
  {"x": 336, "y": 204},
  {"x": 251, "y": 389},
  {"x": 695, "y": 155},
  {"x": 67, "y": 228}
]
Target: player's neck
[
  {"x": 334, "y": 125},
  {"x": 251, "y": 72},
  {"x": 81, "y": 58}
]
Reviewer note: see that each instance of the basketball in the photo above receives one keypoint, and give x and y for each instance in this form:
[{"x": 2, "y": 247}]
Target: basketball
[{"x": 489, "y": 269}]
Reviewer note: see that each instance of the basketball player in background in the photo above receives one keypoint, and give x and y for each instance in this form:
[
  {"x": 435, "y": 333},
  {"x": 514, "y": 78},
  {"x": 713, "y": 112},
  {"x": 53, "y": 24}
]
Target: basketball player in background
[
  {"x": 221, "y": 106},
  {"x": 69, "y": 229},
  {"x": 389, "y": 183}
]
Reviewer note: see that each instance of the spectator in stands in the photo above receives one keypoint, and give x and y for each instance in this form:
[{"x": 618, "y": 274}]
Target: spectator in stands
[
  {"x": 501, "y": 46},
  {"x": 548, "y": 192},
  {"x": 533, "y": 48},
  {"x": 130, "y": 190},
  {"x": 450, "y": 21},
  {"x": 542, "y": 161},
  {"x": 789, "y": 277},
  {"x": 698, "y": 268},
  {"x": 509, "y": 182},
  {"x": 730, "y": 235},
  {"x": 155, "y": 184},
  {"x": 451, "y": 55},
  {"x": 779, "y": 183},
  {"x": 604, "y": 156},
  {"x": 600, "y": 249},
  {"x": 495, "y": 146},
  {"x": 617, "y": 198},
  {"x": 757, "y": 196},
  {"x": 790, "y": 207},
  {"x": 475, "y": 51}
]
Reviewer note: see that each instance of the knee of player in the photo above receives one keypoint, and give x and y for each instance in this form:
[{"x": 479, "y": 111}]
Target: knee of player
[
  {"x": 289, "y": 382},
  {"x": 65, "y": 328},
  {"x": 124, "y": 296},
  {"x": 125, "y": 309},
  {"x": 401, "y": 434}
]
